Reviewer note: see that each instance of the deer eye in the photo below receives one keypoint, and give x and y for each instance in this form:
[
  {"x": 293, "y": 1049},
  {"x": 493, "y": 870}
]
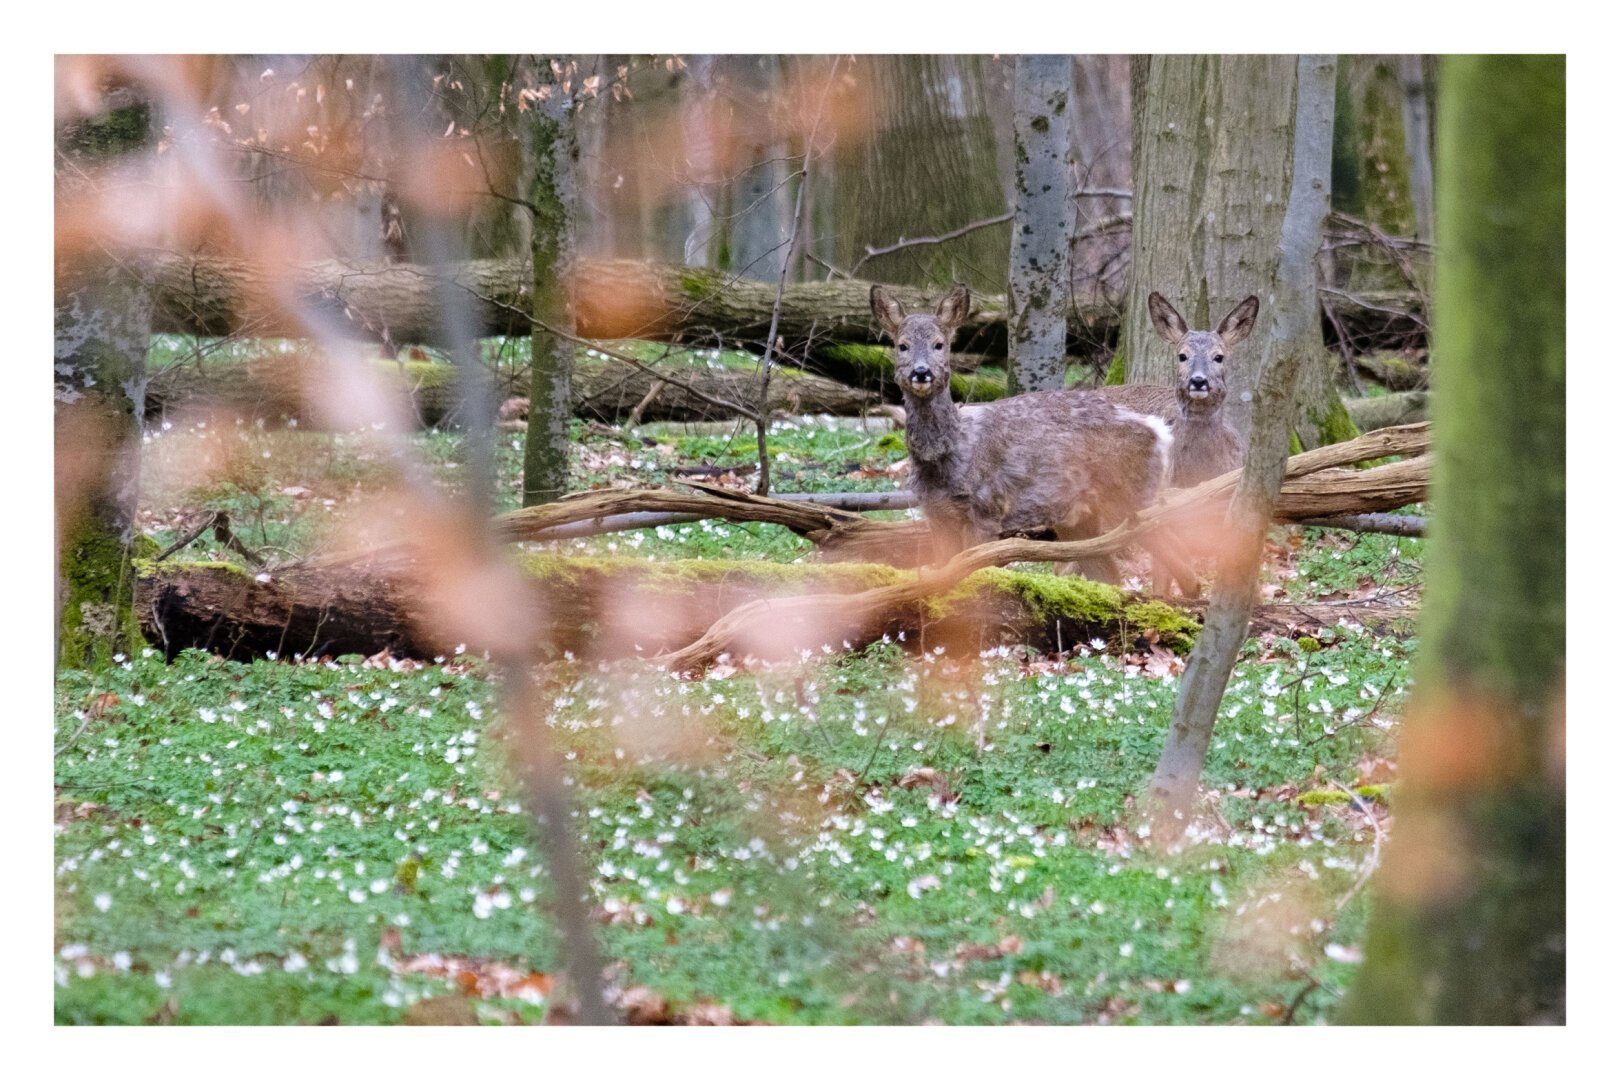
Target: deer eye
[
  {"x": 1218, "y": 359},
  {"x": 1182, "y": 358},
  {"x": 938, "y": 345},
  {"x": 904, "y": 347}
]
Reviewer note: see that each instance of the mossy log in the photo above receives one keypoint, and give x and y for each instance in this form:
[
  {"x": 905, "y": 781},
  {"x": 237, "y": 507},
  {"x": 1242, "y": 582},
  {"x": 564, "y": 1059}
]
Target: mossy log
[
  {"x": 1388, "y": 410},
  {"x": 615, "y": 298},
  {"x": 281, "y": 388},
  {"x": 612, "y": 608}
]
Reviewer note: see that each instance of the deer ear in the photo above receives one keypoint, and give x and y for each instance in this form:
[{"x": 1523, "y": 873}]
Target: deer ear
[
  {"x": 887, "y": 310},
  {"x": 954, "y": 307},
  {"x": 1236, "y": 326},
  {"x": 1166, "y": 319}
]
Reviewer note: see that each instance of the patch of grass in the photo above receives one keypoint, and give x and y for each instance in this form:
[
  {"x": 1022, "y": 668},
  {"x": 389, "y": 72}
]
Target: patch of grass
[{"x": 868, "y": 839}]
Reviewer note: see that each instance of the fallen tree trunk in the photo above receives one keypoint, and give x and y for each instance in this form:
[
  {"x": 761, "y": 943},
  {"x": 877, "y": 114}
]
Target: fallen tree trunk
[
  {"x": 610, "y": 609},
  {"x": 854, "y": 615},
  {"x": 616, "y": 298},
  {"x": 1388, "y": 410},
  {"x": 607, "y": 608},
  {"x": 1322, "y": 491},
  {"x": 282, "y": 388}
]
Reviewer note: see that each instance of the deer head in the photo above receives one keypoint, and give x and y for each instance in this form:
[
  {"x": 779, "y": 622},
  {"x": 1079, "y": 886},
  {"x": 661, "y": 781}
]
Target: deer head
[
  {"x": 922, "y": 362},
  {"x": 1201, "y": 354}
]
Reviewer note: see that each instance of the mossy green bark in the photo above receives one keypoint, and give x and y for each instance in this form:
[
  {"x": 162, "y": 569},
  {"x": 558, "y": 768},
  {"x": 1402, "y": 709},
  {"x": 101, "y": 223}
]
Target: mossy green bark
[
  {"x": 102, "y": 326},
  {"x": 98, "y": 595},
  {"x": 1482, "y": 769}
]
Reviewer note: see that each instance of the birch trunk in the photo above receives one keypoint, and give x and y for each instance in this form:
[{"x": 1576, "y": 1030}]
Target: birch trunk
[{"x": 1043, "y": 219}]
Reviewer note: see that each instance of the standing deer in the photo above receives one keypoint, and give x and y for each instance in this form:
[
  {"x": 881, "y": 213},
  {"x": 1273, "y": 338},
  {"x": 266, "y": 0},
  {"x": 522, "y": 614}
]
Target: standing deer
[
  {"x": 1206, "y": 443},
  {"x": 939, "y": 439},
  {"x": 1055, "y": 463}
]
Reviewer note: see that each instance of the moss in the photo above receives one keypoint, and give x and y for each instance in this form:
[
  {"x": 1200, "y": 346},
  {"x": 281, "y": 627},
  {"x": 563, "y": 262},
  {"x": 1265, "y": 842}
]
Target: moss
[
  {"x": 113, "y": 132},
  {"x": 697, "y": 283},
  {"x": 1340, "y": 797},
  {"x": 98, "y": 602},
  {"x": 806, "y": 577},
  {"x": 1336, "y": 426},
  {"x": 1176, "y": 629},
  {"x": 1116, "y": 370},
  {"x": 893, "y": 442},
  {"x": 986, "y": 384},
  {"x": 1308, "y": 644}
]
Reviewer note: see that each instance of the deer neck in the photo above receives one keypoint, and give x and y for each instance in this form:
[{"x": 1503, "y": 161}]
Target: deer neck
[{"x": 934, "y": 431}]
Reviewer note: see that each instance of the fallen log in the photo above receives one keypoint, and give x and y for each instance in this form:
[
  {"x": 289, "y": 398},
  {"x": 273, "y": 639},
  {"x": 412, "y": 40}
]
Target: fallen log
[
  {"x": 602, "y": 609},
  {"x": 291, "y": 387},
  {"x": 608, "y": 608},
  {"x": 855, "y": 614},
  {"x": 843, "y": 535},
  {"x": 615, "y": 298},
  {"x": 1388, "y": 410}
]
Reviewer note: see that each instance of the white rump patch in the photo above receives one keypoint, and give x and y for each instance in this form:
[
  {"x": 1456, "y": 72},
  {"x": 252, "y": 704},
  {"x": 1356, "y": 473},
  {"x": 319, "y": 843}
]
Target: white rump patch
[{"x": 1164, "y": 437}]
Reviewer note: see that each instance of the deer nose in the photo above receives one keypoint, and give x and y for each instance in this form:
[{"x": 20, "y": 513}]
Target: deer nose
[
  {"x": 1198, "y": 382},
  {"x": 920, "y": 373}
]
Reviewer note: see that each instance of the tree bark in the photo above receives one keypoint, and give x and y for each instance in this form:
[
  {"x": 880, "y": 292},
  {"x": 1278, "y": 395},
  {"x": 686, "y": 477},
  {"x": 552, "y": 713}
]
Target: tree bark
[
  {"x": 1211, "y": 185},
  {"x": 1293, "y": 336},
  {"x": 916, "y": 171},
  {"x": 1469, "y": 924},
  {"x": 615, "y": 298},
  {"x": 1043, "y": 219},
  {"x": 280, "y": 388},
  {"x": 103, "y": 321},
  {"x": 552, "y": 150},
  {"x": 612, "y": 609},
  {"x": 1419, "y": 154}
]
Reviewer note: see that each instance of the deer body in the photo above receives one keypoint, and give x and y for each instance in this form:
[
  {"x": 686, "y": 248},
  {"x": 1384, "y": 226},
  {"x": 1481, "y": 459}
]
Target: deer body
[
  {"x": 1206, "y": 443},
  {"x": 1056, "y": 463}
]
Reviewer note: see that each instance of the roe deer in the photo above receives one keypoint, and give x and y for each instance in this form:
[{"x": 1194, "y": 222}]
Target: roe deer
[
  {"x": 1206, "y": 444},
  {"x": 938, "y": 438},
  {"x": 1055, "y": 463}
]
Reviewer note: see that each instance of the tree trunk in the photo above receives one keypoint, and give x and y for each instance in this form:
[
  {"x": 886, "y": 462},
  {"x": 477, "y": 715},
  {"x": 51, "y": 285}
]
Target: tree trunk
[
  {"x": 1043, "y": 220},
  {"x": 612, "y": 609},
  {"x": 700, "y": 138},
  {"x": 761, "y": 199},
  {"x": 1293, "y": 336},
  {"x": 614, "y": 298},
  {"x": 1468, "y": 926},
  {"x": 280, "y": 388},
  {"x": 1099, "y": 261},
  {"x": 1212, "y": 177},
  {"x": 916, "y": 172},
  {"x": 552, "y": 150},
  {"x": 1419, "y": 156},
  {"x": 103, "y": 320}
]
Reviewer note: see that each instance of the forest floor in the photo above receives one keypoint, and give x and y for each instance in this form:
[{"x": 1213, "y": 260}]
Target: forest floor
[{"x": 865, "y": 838}]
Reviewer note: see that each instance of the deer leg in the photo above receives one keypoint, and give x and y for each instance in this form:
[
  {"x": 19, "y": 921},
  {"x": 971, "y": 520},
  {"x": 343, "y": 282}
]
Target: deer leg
[{"x": 1170, "y": 558}]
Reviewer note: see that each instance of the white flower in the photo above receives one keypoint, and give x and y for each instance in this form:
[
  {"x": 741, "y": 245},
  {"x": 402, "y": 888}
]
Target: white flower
[{"x": 103, "y": 901}]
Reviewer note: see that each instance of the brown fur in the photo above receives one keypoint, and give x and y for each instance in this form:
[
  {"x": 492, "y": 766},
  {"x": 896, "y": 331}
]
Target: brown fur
[
  {"x": 1206, "y": 444},
  {"x": 1057, "y": 463}
]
